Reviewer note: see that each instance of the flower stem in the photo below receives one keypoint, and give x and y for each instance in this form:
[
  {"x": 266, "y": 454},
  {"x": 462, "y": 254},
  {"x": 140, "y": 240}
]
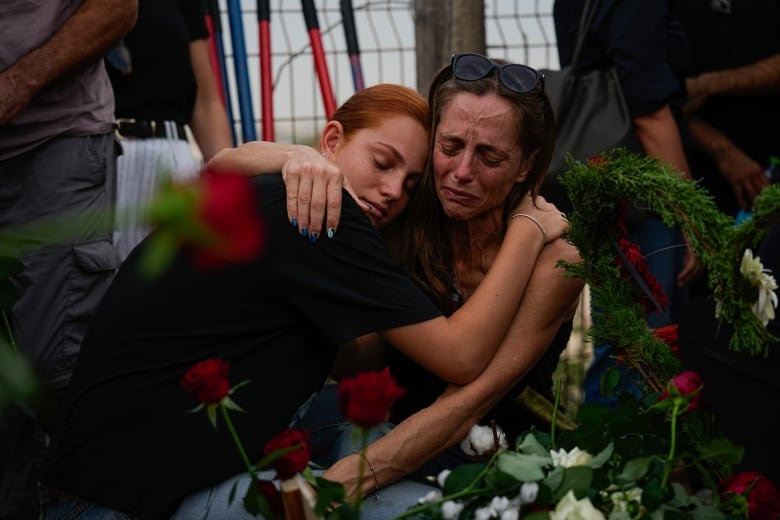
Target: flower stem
[
  {"x": 11, "y": 340},
  {"x": 672, "y": 443},
  {"x": 239, "y": 445},
  {"x": 465, "y": 492}
]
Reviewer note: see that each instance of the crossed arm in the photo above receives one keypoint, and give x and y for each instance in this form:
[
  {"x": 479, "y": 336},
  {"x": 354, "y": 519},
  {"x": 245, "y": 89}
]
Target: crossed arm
[{"x": 549, "y": 300}]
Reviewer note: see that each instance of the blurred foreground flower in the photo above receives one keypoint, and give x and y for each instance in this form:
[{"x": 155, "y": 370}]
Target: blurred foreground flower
[
  {"x": 366, "y": 399},
  {"x": 751, "y": 494},
  {"x": 215, "y": 218}
]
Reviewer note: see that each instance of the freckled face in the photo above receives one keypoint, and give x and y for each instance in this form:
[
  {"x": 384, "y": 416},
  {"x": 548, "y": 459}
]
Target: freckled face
[
  {"x": 476, "y": 155},
  {"x": 384, "y": 165}
]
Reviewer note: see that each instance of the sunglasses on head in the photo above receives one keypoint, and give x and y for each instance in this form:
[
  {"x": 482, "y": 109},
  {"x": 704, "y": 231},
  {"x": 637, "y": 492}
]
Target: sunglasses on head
[{"x": 517, "y": 78}]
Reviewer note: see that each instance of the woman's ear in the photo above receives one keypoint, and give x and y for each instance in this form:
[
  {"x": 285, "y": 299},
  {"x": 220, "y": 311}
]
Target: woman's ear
[
  {"x": 528, "y": 164},
  {"x": 329, "y": 140}
]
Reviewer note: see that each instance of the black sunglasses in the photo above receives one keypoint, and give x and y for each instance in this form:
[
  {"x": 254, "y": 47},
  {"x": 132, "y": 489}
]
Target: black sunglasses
[{"x": 517, "y": 78}]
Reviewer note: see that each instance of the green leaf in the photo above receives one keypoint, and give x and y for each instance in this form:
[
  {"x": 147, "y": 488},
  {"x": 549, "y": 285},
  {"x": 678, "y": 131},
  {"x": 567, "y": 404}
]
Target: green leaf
[
  {"x": 462, "y": 477},
  {"x": 211, "y": 412},
  {"x": 537, "y": 515},
  {"x": 328, "y": 492},
  {"x": 707, "y": 513},
  {"x": 577, "y": 479},
  {"x": 635, "y": 469},
  {"x": 722, "y": 450},
  {"x": 228, "y": 403},
  {"x": 652, "y": 495},
  {"x": 609, "y": 381},
  {"x": 603, "y": 457},
  {"x": 525, "y": 468},
  {"x": 530, "y": 445}
]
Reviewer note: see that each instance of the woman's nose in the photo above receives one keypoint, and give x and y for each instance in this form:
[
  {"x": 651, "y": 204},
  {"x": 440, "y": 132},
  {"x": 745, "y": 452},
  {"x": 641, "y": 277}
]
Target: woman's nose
[
  {"x": 393, "y": 187},
  {"x": 462, "y": 169}
]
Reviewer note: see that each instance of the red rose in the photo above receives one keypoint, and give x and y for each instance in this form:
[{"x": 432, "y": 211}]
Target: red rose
[
  {"x": 366, "y": 399},
  {"x": 684, "y": 383},
  {"x": 597, "y": 161},
  {"x": 228, "y": 210},
  {"x": 207, "y": 381},
  {"x": 762, "y": 495},
  {"x": 668, "y": 334},
  {"x": 294, "y": 462}
]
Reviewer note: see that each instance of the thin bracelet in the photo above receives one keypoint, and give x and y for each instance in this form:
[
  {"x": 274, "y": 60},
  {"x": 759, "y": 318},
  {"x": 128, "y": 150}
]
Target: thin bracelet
[
  {"x": 533, "y": 219},
  {"x": 376, "y": 480}
]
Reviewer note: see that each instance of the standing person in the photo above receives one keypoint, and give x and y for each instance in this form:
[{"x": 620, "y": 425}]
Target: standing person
[
  {"x": 733, "y": 95},
  {"x": 167, "y": 85},
  {"x": 277, "y": 318},
  {"x": 646, "y": 45},
  {"x": 57, "y": 155},
  {"x": 492, "y": 139}
]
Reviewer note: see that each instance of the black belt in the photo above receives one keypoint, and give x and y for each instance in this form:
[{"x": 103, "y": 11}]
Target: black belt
[{"x": 146, "y": 129}]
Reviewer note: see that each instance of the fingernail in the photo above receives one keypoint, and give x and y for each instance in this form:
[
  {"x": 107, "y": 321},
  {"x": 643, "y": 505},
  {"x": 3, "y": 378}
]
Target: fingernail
[
  {"x": 313, "y": 237},
  {"x": 304, "y": 231},
  {"x": 295, "y": 222},
  {"x": 331, "y": 232}
]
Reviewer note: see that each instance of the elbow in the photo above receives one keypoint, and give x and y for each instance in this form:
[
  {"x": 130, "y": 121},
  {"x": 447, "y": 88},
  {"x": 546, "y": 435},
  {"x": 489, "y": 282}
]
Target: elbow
[
  {"x": 125, "y": 13},
  {"x": 463, "y": 370}
]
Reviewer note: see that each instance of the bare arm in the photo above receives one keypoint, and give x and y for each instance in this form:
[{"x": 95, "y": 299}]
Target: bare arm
[
  {"x": 745, "y": 175},
  {"x": 660, "y": 138},
  {"x": 82, "y": 40},
  {"x": 458, "y": 348},
  {"x": 313, "y": 183},
  {"x": 756, "y": 79},
  {"x": 209, "y": 121},
  {"x": 550, "y": 299}
]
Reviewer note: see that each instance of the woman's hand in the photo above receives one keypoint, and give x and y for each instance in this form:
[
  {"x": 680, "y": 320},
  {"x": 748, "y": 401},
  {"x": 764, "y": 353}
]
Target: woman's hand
[
  {"x": 314, "y": 187},
  {"x": 552, "y": 221}
]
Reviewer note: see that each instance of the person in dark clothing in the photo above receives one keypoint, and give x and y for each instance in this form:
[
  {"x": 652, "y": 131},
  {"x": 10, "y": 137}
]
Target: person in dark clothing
[
  {"x": 733, "y": 88},
  {"x": 124, "y": 442},
  {"x": 743, "y": 392},
  {"x": 646, "y": 45},
  {"x": 164, "y": 86}
]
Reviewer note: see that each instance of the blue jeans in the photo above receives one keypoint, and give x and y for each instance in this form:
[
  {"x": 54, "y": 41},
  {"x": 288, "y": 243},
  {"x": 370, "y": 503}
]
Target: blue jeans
[
  {"x": 664, "y": 251},
  {"x": 76, "y": 509}
]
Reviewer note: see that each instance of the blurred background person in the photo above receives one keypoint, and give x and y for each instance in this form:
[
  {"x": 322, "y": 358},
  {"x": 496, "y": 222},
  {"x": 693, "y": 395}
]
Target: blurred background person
[{"x": 163, "y": 82}]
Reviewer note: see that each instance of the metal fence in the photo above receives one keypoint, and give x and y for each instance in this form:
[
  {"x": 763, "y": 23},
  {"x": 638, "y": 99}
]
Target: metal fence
[{"x": 520, "y": 30}]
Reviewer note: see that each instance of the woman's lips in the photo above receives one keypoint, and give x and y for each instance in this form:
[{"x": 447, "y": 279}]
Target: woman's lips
[
  {"x": 375, "y": 209},
  {"x": 457, "y": 196}
]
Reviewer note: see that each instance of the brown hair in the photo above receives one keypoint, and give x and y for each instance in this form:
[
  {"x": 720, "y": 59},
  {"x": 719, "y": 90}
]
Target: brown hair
[
  {"x": 427, "y": 255},
  {"x": 367, "y": 108}
]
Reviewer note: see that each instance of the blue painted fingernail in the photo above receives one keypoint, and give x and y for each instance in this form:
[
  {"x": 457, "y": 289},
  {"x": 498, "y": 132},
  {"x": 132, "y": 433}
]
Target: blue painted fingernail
[
  {"x": 294, "y": 222},
  {"x": 313, "y": 237},
  {"x": 331, "y": 232},
  {"x": 304, "y": 231}
]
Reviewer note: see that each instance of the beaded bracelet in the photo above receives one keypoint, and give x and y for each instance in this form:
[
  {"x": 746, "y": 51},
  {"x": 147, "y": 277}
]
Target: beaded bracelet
[
  {"x": 376, "y": 480},
  {"x": 533, "y": 219}
]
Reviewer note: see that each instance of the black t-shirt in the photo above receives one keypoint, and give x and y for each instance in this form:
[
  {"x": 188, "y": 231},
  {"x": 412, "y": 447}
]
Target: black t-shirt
[
  {"x": 125, "y": 440},
  {"x": 161, "y": 85},
  {"x": 719, "y": 40}
]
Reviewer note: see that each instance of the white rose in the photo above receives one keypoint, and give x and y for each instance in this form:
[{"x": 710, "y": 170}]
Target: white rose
[
  {"x": 576, "y": 457},
  {"x": 481, "y": 441},
  {"x": 483, "y": 513},
  {"x": 450, "y": 510},
  {"x": 511, "y": 514},
  {"x": 569, "y": 508}
]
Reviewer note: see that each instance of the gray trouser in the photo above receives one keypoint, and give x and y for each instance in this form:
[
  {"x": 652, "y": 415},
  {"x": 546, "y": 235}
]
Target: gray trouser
[{"x": 68, "y": 265}]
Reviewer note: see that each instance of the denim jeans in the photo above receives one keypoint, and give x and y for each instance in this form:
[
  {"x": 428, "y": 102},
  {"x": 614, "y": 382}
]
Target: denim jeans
[
  {"x": 664, "y": 251},
  {"x": 76, "y": 509}
]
